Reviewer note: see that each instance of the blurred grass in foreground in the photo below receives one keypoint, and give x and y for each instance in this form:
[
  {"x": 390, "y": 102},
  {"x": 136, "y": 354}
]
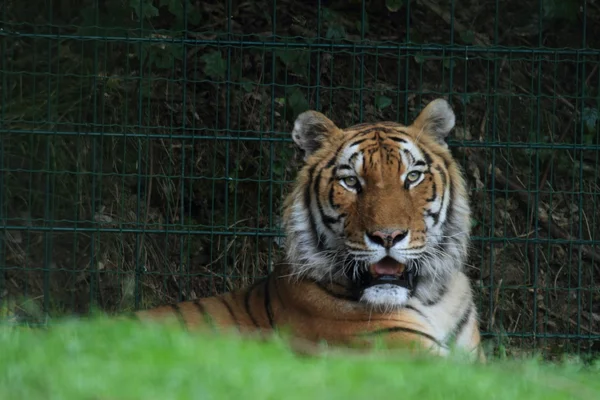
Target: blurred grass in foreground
[{"x": 102, "y": 359}]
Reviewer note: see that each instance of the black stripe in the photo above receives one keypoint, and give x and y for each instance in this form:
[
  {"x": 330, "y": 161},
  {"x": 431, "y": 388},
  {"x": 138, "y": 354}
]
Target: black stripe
[
  {"x": 359, "y": 126},
  {"x": 427, "y": 156},
  {"x": 390, "y": 123},
  {"x": 371, "y": 149},
  {"x": 200, "y": 307},
  {"x": 438, "y": 298},
  {"x": 446, "y": 162},
  {"x": 443, "y": 193},
  {"x": 462, "y": 322},
  {"x": 449, "y": 209},
  {"x": 415, "y": 309},
  {"x": 268, "y": 308},
  {"x": 205, "y": 315},
  {"x": 407, "y": 330},
  {"x": 411, "y": 156},
  {"x": 344, "y": 167},
  {"x": 353, "y": 156},
  {"x": 327, "y": 219},
  {"x": 416, "y": 279},
  {"x": 397, "y": 139},
  {"x": 383, "y": 129},
  {"x": 343, "y": 145},
  {"x": 228, "y": 306},
  {"x": 443, "y": 175},
  {"x": 435, "y": 216},
  {"x": 339, "y": 296},
  {"x": 434, "y": 194},
  {"x": 420, "y": 163},
  {"x": 315, "y": 184},
  {"x": 247, "y": 301},
  {"x": 333, "y": 159},
  {"x": 359, "y": 141},
  {"x": 311, "y": 217},
  {"x": 276, "y": 283},
  {"x": 178, "y": 313},
  {"x": 331, "y": 202}
]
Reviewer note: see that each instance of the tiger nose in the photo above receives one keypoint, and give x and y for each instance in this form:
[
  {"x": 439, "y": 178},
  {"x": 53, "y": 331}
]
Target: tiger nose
[{"x": 387, "y": 237}]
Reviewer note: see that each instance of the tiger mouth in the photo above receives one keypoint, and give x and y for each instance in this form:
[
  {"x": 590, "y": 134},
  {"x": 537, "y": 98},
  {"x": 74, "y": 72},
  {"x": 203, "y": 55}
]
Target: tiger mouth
[{"x": 389, "y": 271}]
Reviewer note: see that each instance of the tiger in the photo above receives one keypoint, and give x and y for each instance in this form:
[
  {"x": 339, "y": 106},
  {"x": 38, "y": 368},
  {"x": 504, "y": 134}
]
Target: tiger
[{"x": 377, "y": 227}]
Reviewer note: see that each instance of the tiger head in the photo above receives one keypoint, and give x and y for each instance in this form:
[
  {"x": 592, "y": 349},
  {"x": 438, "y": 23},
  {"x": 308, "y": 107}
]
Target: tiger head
[{"x": 380, "y": 208}]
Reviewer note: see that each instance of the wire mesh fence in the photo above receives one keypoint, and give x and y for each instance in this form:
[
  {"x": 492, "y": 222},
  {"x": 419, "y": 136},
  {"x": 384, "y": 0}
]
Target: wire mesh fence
[{"x": 145, "y": 145}]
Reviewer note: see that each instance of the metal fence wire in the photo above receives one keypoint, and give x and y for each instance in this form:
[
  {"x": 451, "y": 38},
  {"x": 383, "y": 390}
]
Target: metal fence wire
[{"x": 145, "y": 145}]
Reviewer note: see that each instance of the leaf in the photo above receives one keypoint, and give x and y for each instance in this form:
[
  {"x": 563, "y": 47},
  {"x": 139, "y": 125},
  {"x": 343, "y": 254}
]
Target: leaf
[
  {"x": 143, "y": 52},
  {"x": 467, "y": 36},
  {"x": 113, "y": 82},
  {"x": 382, "y": 102},
  {"x": 286, "y": 56},
  {"x": 176, "y": 8},
  {"x": 590, "y": 118},
  {"x": 146, "y": 87},
  {"x": 419, "y": 58},
  {"x": 335, "y": 31},
  {"x": 193, "y": 14},
  {"x": 247, "y": 85},
  {"x": 143, "y": 8},
  {"x": 465, "y": 98},
  {"x": 416, "y": 36},
  {"x": 560, "y": 9},
  {"x": 214, "y": 65},
  {"x": 163, "y": 60},
  {"x": 359, "y": 25},
  {"x": 296, "y": 60},
  {"x": 177, "y": 51},
  {"x": 297, "y": 102},
  {"x": 328, "y": 14},
  {"x": 394, "y": 5}
]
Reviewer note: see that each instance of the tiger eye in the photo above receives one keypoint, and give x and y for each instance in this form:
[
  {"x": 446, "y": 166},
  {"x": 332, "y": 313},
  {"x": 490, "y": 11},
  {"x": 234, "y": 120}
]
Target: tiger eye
[
  {"x": 350, "y": 181},
  {"x": 413, "y": 176}
]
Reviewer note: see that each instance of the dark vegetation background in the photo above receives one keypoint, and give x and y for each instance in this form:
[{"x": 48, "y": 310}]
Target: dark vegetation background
[{"x": 145, "y": 145}]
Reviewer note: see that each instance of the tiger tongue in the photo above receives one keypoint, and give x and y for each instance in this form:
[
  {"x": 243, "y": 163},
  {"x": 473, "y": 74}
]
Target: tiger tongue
[{"x": 388, "y": 266}]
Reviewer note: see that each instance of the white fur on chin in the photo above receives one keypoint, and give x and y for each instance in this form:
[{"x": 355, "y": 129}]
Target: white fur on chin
[{"x": 385, "y": 296}]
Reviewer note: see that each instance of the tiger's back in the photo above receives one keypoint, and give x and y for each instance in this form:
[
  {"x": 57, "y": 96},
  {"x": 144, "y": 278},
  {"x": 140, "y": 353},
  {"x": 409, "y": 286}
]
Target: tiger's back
[{"x": 377, "y": 228}]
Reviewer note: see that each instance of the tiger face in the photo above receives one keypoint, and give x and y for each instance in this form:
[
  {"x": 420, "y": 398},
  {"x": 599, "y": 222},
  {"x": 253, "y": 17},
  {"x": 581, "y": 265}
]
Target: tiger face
[{"x": 380, "y": 208}]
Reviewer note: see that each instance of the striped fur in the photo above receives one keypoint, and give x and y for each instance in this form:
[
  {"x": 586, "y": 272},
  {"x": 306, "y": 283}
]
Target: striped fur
[{"x": 355, "y": 184}]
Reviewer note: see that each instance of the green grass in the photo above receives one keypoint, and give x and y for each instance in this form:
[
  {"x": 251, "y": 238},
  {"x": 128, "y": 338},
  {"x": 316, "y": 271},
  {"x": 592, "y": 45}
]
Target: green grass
[{"x": 108, "y": 360}]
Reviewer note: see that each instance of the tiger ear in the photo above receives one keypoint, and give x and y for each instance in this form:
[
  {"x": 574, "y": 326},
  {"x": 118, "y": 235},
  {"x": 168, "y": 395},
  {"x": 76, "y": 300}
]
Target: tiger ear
[
  {"x": 311, "y": 129},
  {"x": 437, "y": 119}
]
